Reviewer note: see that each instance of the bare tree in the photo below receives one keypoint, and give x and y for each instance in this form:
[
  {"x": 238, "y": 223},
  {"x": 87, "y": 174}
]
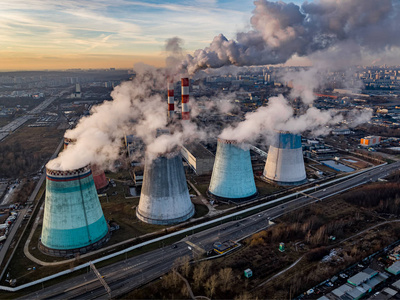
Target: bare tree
[
  {"x": 211, "y": 285},
  {"x": 198, "y": 275},
  {"x": 185, "y": 266},
  {"x": 244, "y": 296},
  {"x": 226, "y": 277}
]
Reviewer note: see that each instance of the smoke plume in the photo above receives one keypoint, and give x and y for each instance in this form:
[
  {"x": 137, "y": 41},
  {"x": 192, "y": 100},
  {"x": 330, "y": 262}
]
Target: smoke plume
[
  {"x": 280, "y": 30},
  {"x": 279, "y": 115}
]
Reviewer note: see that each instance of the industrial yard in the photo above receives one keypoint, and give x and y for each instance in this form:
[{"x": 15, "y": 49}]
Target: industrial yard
[{"x": 143, "y": 196}]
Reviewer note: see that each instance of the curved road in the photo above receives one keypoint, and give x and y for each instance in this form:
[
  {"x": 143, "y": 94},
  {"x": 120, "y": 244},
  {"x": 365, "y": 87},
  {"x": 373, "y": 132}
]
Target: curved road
[{"x": 129, "y": 274}]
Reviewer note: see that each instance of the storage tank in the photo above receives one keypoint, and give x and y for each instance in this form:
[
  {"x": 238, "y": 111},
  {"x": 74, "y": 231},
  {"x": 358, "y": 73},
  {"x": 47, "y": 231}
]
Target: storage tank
[
  {"x": 232, "y": 176},
  {"x": 285, "y": 163},
  {"x": 73, "y": 220},
  {"x": 164, "y": 199}
]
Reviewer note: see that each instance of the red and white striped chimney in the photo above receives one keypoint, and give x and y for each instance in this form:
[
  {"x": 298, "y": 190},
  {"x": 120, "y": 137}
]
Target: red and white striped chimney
[
  {"x": 185, "y": 98},
  {"x": 171, "y": 108}
]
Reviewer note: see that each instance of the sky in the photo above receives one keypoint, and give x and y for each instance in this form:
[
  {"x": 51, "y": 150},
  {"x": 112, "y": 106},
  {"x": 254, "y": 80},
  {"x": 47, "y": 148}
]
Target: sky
[{"x": 50, "y": 34}]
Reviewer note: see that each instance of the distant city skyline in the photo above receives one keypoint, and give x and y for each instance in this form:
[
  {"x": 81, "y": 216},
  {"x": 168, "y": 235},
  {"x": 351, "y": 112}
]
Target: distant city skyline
[{"x": 46, "y": 34}]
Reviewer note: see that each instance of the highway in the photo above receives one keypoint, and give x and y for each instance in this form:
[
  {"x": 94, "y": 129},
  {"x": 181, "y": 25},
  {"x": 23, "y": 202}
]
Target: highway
[{"x": 131, "y": 273}]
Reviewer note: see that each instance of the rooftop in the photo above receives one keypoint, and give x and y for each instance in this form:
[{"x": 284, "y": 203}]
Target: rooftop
[{"x": 198, "y": 150}]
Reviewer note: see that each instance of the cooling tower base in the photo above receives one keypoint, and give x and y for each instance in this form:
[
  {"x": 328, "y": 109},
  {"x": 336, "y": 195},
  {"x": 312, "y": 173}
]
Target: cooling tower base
[
  {"x": 74, "y": 252},
  {"x": 283, "y": 182},
  {"x": 145, "y": 219},
  {"x": 223, "y": 199}
]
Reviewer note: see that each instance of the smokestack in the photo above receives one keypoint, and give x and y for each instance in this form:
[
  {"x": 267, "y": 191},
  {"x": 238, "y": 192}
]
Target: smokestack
[
  {"x": 285, "y": 163},
  {"x": 171, "y": 101},
  {"x": 232, "y": 177},
  {"x": 99, "y": 177},
  {"x": 73, "y": 220},
  {"x": 164, "y": 199},
  {"x": 185, "y": 99}
]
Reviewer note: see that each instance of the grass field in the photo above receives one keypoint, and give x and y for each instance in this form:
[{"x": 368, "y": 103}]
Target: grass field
[{"x": 27, "y": 149}]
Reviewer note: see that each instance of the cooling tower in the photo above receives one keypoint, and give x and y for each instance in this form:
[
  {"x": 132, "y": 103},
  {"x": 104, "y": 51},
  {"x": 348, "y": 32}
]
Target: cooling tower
[
  {"x": 99, "y": 177},
  {"x": 285, "y": 164},
  {"x": 73, "y": 220},
  {"x": 232, "y": 176},
  {"x": 165, "y": 197}
]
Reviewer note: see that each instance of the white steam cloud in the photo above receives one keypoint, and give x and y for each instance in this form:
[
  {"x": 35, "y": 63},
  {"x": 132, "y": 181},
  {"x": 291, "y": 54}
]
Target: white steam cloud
[
  {"x": 280, "y": 30},
  {"x": 326, "y": 31}
]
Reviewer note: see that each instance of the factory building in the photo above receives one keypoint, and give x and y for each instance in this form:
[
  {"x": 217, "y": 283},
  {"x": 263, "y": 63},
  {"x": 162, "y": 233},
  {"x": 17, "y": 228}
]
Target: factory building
[
  {"x": 232, "y": 176},
  {"x": 285, "y": 163},
  {"x": 370, "y": 141},
  {"x": 73, "y": 220},
  {"x": 164, "y": 198},
  {"x": 199, "y": 158}
]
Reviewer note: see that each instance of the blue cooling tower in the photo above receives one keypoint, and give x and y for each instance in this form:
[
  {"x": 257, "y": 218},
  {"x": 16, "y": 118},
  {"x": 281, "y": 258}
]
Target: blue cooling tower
[
  {"x": 232, "y": 176},
  {"x": 164, "y": 199},
  {"x": 73, "y": 220},
  {"x": 285, "y": 164}
]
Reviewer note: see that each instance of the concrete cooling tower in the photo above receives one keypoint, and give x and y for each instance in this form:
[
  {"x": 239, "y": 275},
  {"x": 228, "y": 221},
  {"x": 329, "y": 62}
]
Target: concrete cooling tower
[
  {"x": 99, "y": 177},
  {"x": 232, "y": 176},
  {"x": 164, "y": 199},
  {"x": 73, "y": 220},
  {"x": 285, "y": 163}
]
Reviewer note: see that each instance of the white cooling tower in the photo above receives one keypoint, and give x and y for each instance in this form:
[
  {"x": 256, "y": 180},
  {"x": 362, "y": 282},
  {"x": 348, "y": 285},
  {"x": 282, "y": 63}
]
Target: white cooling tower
[
  {"x": 165, "y": 198},
  {"x": 285, "y": 163}
]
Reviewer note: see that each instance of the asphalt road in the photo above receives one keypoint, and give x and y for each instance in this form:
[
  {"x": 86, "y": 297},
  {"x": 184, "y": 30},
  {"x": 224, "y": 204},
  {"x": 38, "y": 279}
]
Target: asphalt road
[{"x": 129, "y": 274}]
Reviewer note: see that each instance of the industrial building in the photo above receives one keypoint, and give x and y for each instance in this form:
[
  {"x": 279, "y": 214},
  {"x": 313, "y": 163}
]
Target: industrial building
[
  {"x": 370, "y": 141},
  {"x": 99, "y": 178},
  {"x": 73, "y": 220},
  {"x": 164, "y": 198},
  {"x": 285, "y": 163},
  {"x": 358, "y": 286},
  {"x": 232, "y": 176},
  {"x": 199, "y": 158}
]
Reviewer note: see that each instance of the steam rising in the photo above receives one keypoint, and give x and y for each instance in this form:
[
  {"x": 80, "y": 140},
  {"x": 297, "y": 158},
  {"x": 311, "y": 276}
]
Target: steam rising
[
  {"x": 330, "y": 32},
  {"x": 280, "y": 30},
  {"x": 279, "y": 115}
]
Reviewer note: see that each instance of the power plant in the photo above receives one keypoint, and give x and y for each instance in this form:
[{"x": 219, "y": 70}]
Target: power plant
[
  {"x": 73, "y": 220},
  {"x": 165, "y": 198},
  {"x": 232, "y": 176},
  {"x": 99, "y": 177},
  {"x": 285, "y": 163}
]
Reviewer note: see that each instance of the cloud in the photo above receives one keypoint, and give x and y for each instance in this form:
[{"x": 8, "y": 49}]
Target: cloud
[{"x": 281, "y": 30}]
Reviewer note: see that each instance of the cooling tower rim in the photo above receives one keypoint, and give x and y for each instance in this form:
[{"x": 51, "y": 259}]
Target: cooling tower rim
[
  {"x": 228, "y": 141},
  {"x": 286, "y": 132},
  {"x": 66, "y": 173}
]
